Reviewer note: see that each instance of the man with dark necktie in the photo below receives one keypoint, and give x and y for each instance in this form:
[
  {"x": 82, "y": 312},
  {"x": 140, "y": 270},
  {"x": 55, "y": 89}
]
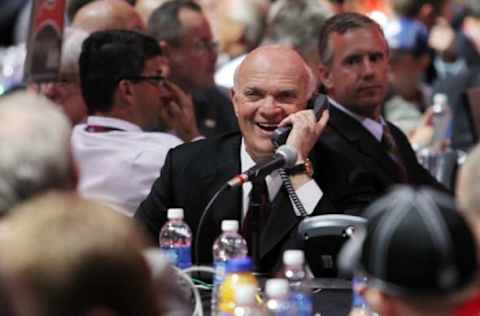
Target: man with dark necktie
[
  {"x": 272, "y": 87},
  {"x": 365, "y": 154}
]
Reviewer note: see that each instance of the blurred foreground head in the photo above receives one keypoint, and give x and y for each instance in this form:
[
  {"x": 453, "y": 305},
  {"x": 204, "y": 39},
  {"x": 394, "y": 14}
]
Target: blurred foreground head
[
  {"x": 35, "y": 142},
  {"x": 417, "y": 252},
  {"x": 70, "y": 256},
  {"x": 468, "y": 189}
]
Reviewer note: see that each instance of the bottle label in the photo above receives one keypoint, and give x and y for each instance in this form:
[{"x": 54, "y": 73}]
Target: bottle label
[
  {"x": 303, "y": 303},
  {"x": 220, "y": 266},
  {"x": 181, "y": 257}
]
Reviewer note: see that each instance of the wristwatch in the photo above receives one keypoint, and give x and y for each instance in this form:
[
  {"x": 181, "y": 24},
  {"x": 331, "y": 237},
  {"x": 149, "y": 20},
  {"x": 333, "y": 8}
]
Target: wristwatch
[{"x": 305, "y": 167}]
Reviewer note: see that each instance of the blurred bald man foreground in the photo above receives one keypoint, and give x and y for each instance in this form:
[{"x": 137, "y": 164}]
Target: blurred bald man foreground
[
  {"x": 64, "y": 255},
  {"x": 36, "y": 155},
  {"x": 272, "y": 87},
  {"x": 104, "y": 15}
]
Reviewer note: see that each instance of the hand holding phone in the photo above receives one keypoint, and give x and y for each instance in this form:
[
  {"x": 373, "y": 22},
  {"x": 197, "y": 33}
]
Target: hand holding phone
[{"x": 318, "y": 103}]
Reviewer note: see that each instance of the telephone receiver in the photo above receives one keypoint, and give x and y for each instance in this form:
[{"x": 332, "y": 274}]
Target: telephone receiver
[{"x": 318, "y": 103}]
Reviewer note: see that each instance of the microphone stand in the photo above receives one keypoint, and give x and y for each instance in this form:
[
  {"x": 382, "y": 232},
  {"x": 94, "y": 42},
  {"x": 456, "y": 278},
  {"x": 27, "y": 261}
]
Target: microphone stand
[{"x": 202, "y": 219}]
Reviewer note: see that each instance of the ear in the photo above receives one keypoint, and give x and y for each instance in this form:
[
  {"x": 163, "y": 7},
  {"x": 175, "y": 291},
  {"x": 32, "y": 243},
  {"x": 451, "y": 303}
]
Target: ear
[
  {"x": 125, "y": 92},
  {"x": 325, "y": 76},
  {"x": 233, "y": 97}
]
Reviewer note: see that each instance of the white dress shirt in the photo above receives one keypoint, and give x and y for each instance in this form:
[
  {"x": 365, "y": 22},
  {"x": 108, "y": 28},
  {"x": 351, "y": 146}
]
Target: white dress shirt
[
  {"x": 119, "y": 166},
  {"x": 309, "y": 193}
]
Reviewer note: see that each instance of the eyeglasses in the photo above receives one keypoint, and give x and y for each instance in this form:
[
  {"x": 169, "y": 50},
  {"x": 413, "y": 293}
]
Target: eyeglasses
[
  {"x": 205, "y": 45},
  {"x": 155, "y": 80}
]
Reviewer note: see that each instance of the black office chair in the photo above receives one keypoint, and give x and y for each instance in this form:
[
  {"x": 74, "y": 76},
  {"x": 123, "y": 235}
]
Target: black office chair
[{"x": 323, "y": 237}]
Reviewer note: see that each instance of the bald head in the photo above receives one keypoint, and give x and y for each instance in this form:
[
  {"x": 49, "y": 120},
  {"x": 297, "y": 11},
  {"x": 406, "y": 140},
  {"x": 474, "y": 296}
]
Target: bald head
[
  {"x": 108, "y": 15},
  {"x": 269, "y": 85},
  {"x": 276, "y": 60}
]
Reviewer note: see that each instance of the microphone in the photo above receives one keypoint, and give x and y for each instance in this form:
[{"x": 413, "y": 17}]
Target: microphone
[{"x": 285, "y": 157}]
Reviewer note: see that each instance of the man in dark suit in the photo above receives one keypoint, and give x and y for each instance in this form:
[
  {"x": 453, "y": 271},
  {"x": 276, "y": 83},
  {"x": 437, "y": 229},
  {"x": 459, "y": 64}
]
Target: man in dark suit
[
  {"x": 365, "y": 154},
  {"x": 272, "y": 87},
  {"x": 183, "y": 31}
]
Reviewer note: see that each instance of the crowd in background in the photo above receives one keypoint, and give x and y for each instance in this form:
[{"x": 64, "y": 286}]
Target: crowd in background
[{"x": 79, "y": 149}]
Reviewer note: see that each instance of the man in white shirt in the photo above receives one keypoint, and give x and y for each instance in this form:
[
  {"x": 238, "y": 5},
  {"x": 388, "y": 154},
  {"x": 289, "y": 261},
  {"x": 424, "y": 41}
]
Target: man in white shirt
[
  {"x": 272, "y": 88},
  {"x": 124, "y": 86}
]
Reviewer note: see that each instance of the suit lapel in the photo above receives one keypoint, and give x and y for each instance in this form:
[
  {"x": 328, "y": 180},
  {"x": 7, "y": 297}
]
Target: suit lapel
[
  {"x": 224, "y": 165},
  {"x": 362, "y": 140}
]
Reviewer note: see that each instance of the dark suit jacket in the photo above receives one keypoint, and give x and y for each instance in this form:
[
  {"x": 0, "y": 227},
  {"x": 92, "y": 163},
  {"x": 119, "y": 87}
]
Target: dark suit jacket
[
  {"x": 191, "y": 175},
  {"x": 214, "y": 112},
  {"x": 355, "y": 168}
]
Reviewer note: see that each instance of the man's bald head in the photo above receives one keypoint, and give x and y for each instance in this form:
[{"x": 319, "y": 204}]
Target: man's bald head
[
  {"x": 103, "y": 15},
  {"x": 274, "y": 59},
  {"x": 270, "y": 84}
]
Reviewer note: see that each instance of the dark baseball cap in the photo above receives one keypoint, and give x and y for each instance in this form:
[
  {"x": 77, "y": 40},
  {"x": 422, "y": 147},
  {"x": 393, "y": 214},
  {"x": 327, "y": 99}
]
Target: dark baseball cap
[{"x": 415, "y": 243}]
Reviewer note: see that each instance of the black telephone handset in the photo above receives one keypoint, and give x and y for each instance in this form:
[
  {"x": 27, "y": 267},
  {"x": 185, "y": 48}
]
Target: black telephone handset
[{"x": 318, "y": 103}]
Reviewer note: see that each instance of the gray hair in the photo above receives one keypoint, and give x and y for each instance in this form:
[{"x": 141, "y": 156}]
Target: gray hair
[
  {"x": 35, "y": 142},
  {"x": 71, "y": 49},
  {"x": 250, "y": 14},
  {"x": 296, "y": 23}
]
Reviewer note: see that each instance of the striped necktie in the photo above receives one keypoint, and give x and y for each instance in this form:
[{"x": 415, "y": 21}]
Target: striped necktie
[{"x": 391, "y": 148}]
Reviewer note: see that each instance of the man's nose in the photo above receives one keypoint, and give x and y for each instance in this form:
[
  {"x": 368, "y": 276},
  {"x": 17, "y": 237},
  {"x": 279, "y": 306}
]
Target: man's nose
[
  {"x": 368, "y": 68},
  {"x": 270, "y": 106}
]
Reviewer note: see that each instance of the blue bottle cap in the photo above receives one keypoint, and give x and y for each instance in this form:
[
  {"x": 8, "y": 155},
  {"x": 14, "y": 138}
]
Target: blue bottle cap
[{"x": 239, "y": 265}]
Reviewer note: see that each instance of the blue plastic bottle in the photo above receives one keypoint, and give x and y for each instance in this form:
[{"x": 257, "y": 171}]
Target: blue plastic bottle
[
  {"x": 294, "y": 272},
  {"x": 176, "y": 239}
]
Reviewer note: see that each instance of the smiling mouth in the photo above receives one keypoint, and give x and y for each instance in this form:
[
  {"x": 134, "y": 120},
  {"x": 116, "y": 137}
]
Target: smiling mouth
[{"x": 268, "y": 127}]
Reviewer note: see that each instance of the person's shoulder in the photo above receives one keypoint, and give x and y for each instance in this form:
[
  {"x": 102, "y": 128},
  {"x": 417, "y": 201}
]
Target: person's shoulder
[
  {"x": 209, "y": 145},
  {"x": 164, "y": 137}
]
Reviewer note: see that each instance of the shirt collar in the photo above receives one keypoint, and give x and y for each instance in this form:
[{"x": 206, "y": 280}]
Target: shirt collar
[
  {"x": 374, "y": 127},
  {"x": 113, "y": 122},
  {"x": 274, "y": 181}
]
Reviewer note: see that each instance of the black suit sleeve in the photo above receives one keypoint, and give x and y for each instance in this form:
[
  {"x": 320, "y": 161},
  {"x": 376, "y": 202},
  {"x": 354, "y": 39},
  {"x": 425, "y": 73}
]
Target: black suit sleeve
[{"x": 152, "y": 212}]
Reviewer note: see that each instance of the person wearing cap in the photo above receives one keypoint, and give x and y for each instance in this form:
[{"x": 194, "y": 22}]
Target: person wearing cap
[
  {"x": 417, "y": 252},
  {"x": 365, "y": 155},
  {"x": 409, "y": 57}
]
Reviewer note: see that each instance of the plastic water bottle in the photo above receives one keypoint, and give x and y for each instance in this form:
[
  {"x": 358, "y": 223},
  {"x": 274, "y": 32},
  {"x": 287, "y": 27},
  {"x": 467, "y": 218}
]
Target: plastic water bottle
[
  {"x": 230, "y": 244},
  {"x": 359, "y": 306},
  {"x": 246, "y": 302},
  {"x": 176, "y": 239},
  {"x": 442, "y": 121},
  {"x": 294, "y": 272},
  {"x": 278, "y": 303},
  {"x": 238, "y": 273}
]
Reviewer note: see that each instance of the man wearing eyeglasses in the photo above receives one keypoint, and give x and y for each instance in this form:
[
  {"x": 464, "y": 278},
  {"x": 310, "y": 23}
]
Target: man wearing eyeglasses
[
  {"x": 183, "y": 31},
  {"x": 122, "y": 75}
]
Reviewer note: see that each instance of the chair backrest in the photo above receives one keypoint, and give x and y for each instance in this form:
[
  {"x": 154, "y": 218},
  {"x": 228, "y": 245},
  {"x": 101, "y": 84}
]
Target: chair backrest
[{"x": 323, "y": 237}]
